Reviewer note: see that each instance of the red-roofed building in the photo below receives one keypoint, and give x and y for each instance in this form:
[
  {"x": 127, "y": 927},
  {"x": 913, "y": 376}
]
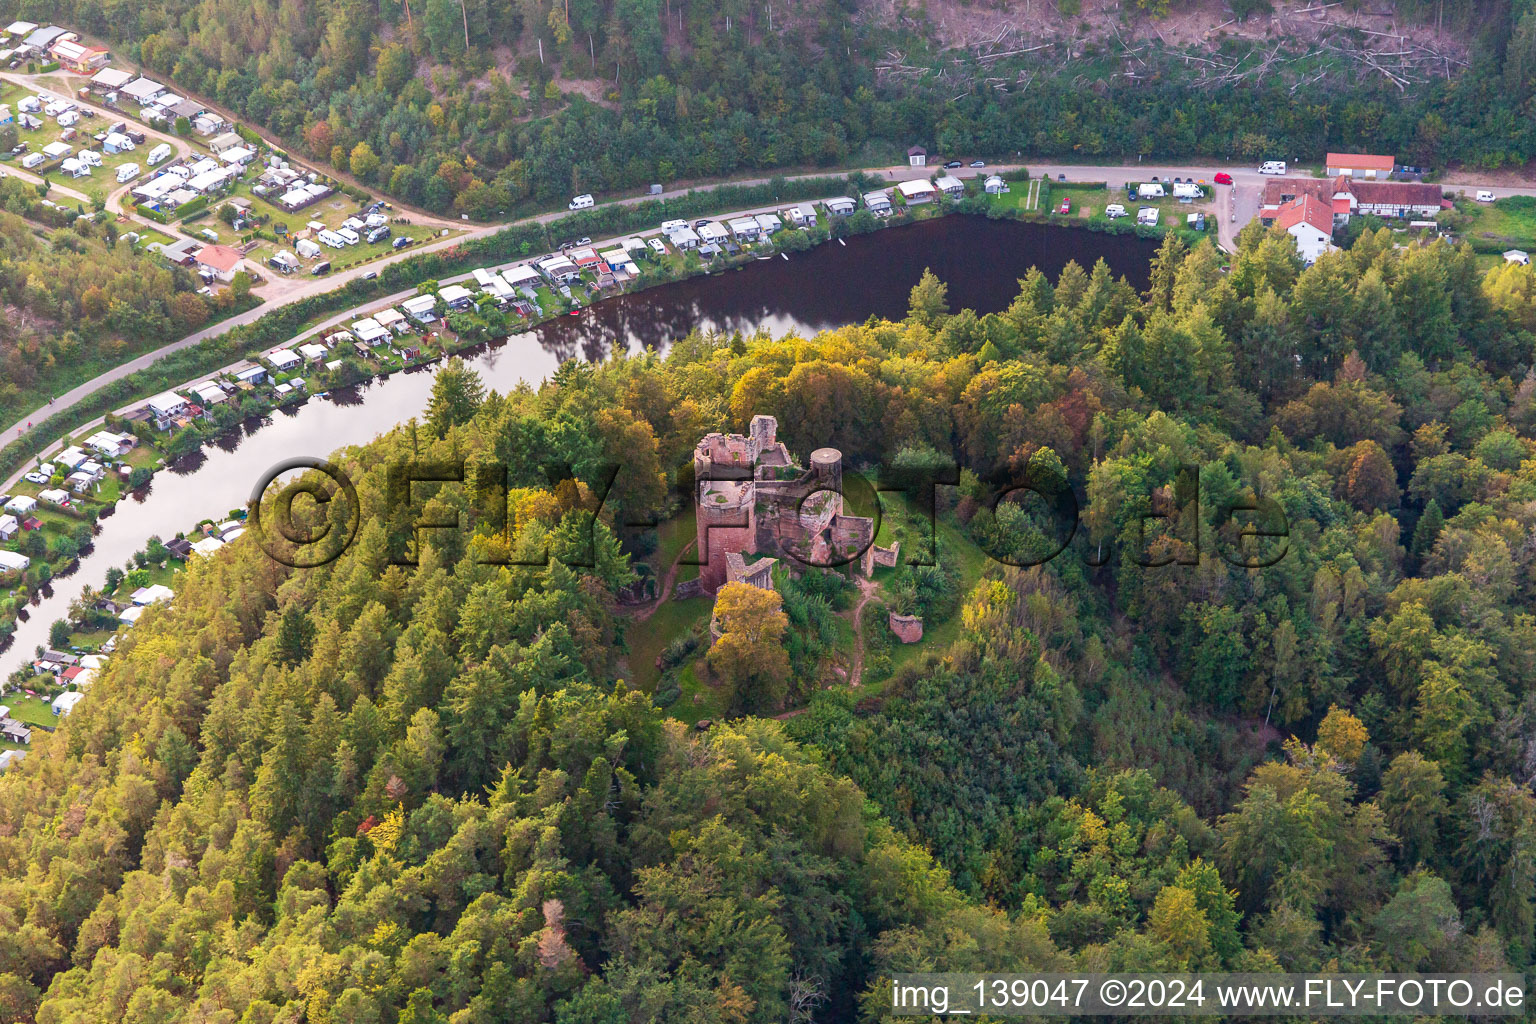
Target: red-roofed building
[
  {"x": 219, "y": 261},
  {"x": 1309, "y": 220},
  {"x": 1360, "y": 165},
  {"x": 1348, "y": 197}
]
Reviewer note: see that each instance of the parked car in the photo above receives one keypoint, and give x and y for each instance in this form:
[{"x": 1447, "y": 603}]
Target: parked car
[
  {"x": 583, "y": 241},
  {"x": 370, "y": 275},
  {"x": 953, "y": 164},
  {"x": 1485, "y": 196},
  {"x": 978, "y": 163},
  {"x": 1061, "y": 177},
  {"x": 700, "y": 223},
  {"x": 323, "y": 267},
  {"x": 36, "y": 478},
  {"x": 1223, "y": 178},
  {"x": 1066, "y": 206},
  {"x": 402, "y": 241}
]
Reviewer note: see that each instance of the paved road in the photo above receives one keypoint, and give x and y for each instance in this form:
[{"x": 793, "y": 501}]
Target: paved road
[{"x": 1248, "y": 184}]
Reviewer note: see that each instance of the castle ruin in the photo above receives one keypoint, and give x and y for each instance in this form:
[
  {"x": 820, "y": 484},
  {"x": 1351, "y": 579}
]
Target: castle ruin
[{"x": 753, "y": 499}]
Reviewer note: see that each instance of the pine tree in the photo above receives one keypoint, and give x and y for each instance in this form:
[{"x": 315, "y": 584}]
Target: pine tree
[
  {"x": 1428, "y": 529},
  {"x": 456, "y": 394}
]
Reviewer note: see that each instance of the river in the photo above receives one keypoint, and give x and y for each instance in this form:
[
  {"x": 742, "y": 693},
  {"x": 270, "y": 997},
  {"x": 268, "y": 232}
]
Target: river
[{"x": 980, "y": 260}]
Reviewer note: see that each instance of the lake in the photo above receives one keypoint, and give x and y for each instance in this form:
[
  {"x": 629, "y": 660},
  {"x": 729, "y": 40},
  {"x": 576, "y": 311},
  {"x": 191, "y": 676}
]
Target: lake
[{"x": 981, "y": 260}]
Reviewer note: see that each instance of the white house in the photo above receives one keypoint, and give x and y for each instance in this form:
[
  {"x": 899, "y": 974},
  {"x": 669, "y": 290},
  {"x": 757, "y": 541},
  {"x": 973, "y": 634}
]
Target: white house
[
  {"x": 800, "y": 216},
  {"x": 21, "y": 505},
  {"x": 767, "y": 223},
  {"x": 166, "y": 407},
  {"x": 142, "y": 91},
  {"x": 1309, "y": 221},
  {"x": 392, "y": 319},
  {"x": 111, "y": 78},
  {"x": 559, "y": 269},
  {"x": 65, "y": 702},
  {"x": 370, "y": 331},
  {"x": 521, "y": 276},
  {"x": 917, "y": 191},
  {"x": 951, "y": 186},
  {"x": 312, "y": 352},
  {"x": 712, "y": 233},
  {"x": 71, "y": 458},
  {"x": 283, "y": 359},
  {"x": 10, "y": 561},
  {"x": 877, "y": 203},
  {"x": 745, "y": 229},
  {"x": 684, "y": 238},
  {"x": 841, "y": 206},
  {"x": 109, "y": 444},
  {"x": 421, "y": 308},
  {"x": 456, "y": 296}
]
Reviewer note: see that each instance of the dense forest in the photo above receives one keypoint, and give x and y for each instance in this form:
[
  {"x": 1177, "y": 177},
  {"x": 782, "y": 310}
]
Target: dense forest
[
  {"x": 410, "y": 786},
  {"x": 75, "y": 293},
  {"x": 484, "y": 106}
]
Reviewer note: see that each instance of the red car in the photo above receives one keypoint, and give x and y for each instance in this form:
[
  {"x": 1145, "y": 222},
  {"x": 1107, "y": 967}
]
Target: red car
[
  {"x": 1223, "y": 178},
  {"x": 1066, "y": 206}
]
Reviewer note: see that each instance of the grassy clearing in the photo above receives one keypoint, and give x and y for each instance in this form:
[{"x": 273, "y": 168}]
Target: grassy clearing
[
  {"x": 30, "y": 710},
  {"x": 649, "y": 638},
  {"x": 331, "y": 212},
  {"x": 1494, "y": 227}
]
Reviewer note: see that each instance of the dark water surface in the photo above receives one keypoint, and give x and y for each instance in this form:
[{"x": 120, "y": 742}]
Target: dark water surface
[{"x": 981, "y": 261}]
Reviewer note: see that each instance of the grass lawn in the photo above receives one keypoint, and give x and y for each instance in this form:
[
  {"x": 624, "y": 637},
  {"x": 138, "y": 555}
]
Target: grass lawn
[
  {"x": 1494, "y": 227},
  {"x": 30, "y": 710},
  {"x": 699, "y": 699},
  {"x": 671, "y": 537},
  {"x": 330, "y": 211},
  {"x": 649, "y": 638}
]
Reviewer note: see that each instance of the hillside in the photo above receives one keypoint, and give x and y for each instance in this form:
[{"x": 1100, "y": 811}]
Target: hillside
[
  {"x": 492, "y": 107},
  {"x": 411, "y": 786}
]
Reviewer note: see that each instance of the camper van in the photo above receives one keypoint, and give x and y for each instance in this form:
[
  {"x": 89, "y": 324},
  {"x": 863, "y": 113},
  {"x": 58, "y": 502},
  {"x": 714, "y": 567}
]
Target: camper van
[
  {"x": 349, "y": 236},
  {"x": 159, "y": 154},
  {"x": 1272, "y": 167},
  {"x": 32, "y": 160},
  {"x": 1187, "y": 190},
  {"x": 582, "y": 202},
  {"x": 127, "y": 172},
  {"x": 1150, "y": 191}
]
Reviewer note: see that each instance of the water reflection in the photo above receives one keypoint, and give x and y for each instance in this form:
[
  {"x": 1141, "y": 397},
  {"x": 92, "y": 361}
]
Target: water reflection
[{"x": 833, "y": 285}]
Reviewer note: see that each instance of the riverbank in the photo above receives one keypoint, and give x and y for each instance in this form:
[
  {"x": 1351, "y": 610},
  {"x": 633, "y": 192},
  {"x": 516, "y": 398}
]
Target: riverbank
[{"x": 830, "y": 285}]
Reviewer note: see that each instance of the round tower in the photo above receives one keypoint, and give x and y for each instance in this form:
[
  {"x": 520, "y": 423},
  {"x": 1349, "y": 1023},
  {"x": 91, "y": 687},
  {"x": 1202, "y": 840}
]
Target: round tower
[{"x": 827, "y": 469}]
